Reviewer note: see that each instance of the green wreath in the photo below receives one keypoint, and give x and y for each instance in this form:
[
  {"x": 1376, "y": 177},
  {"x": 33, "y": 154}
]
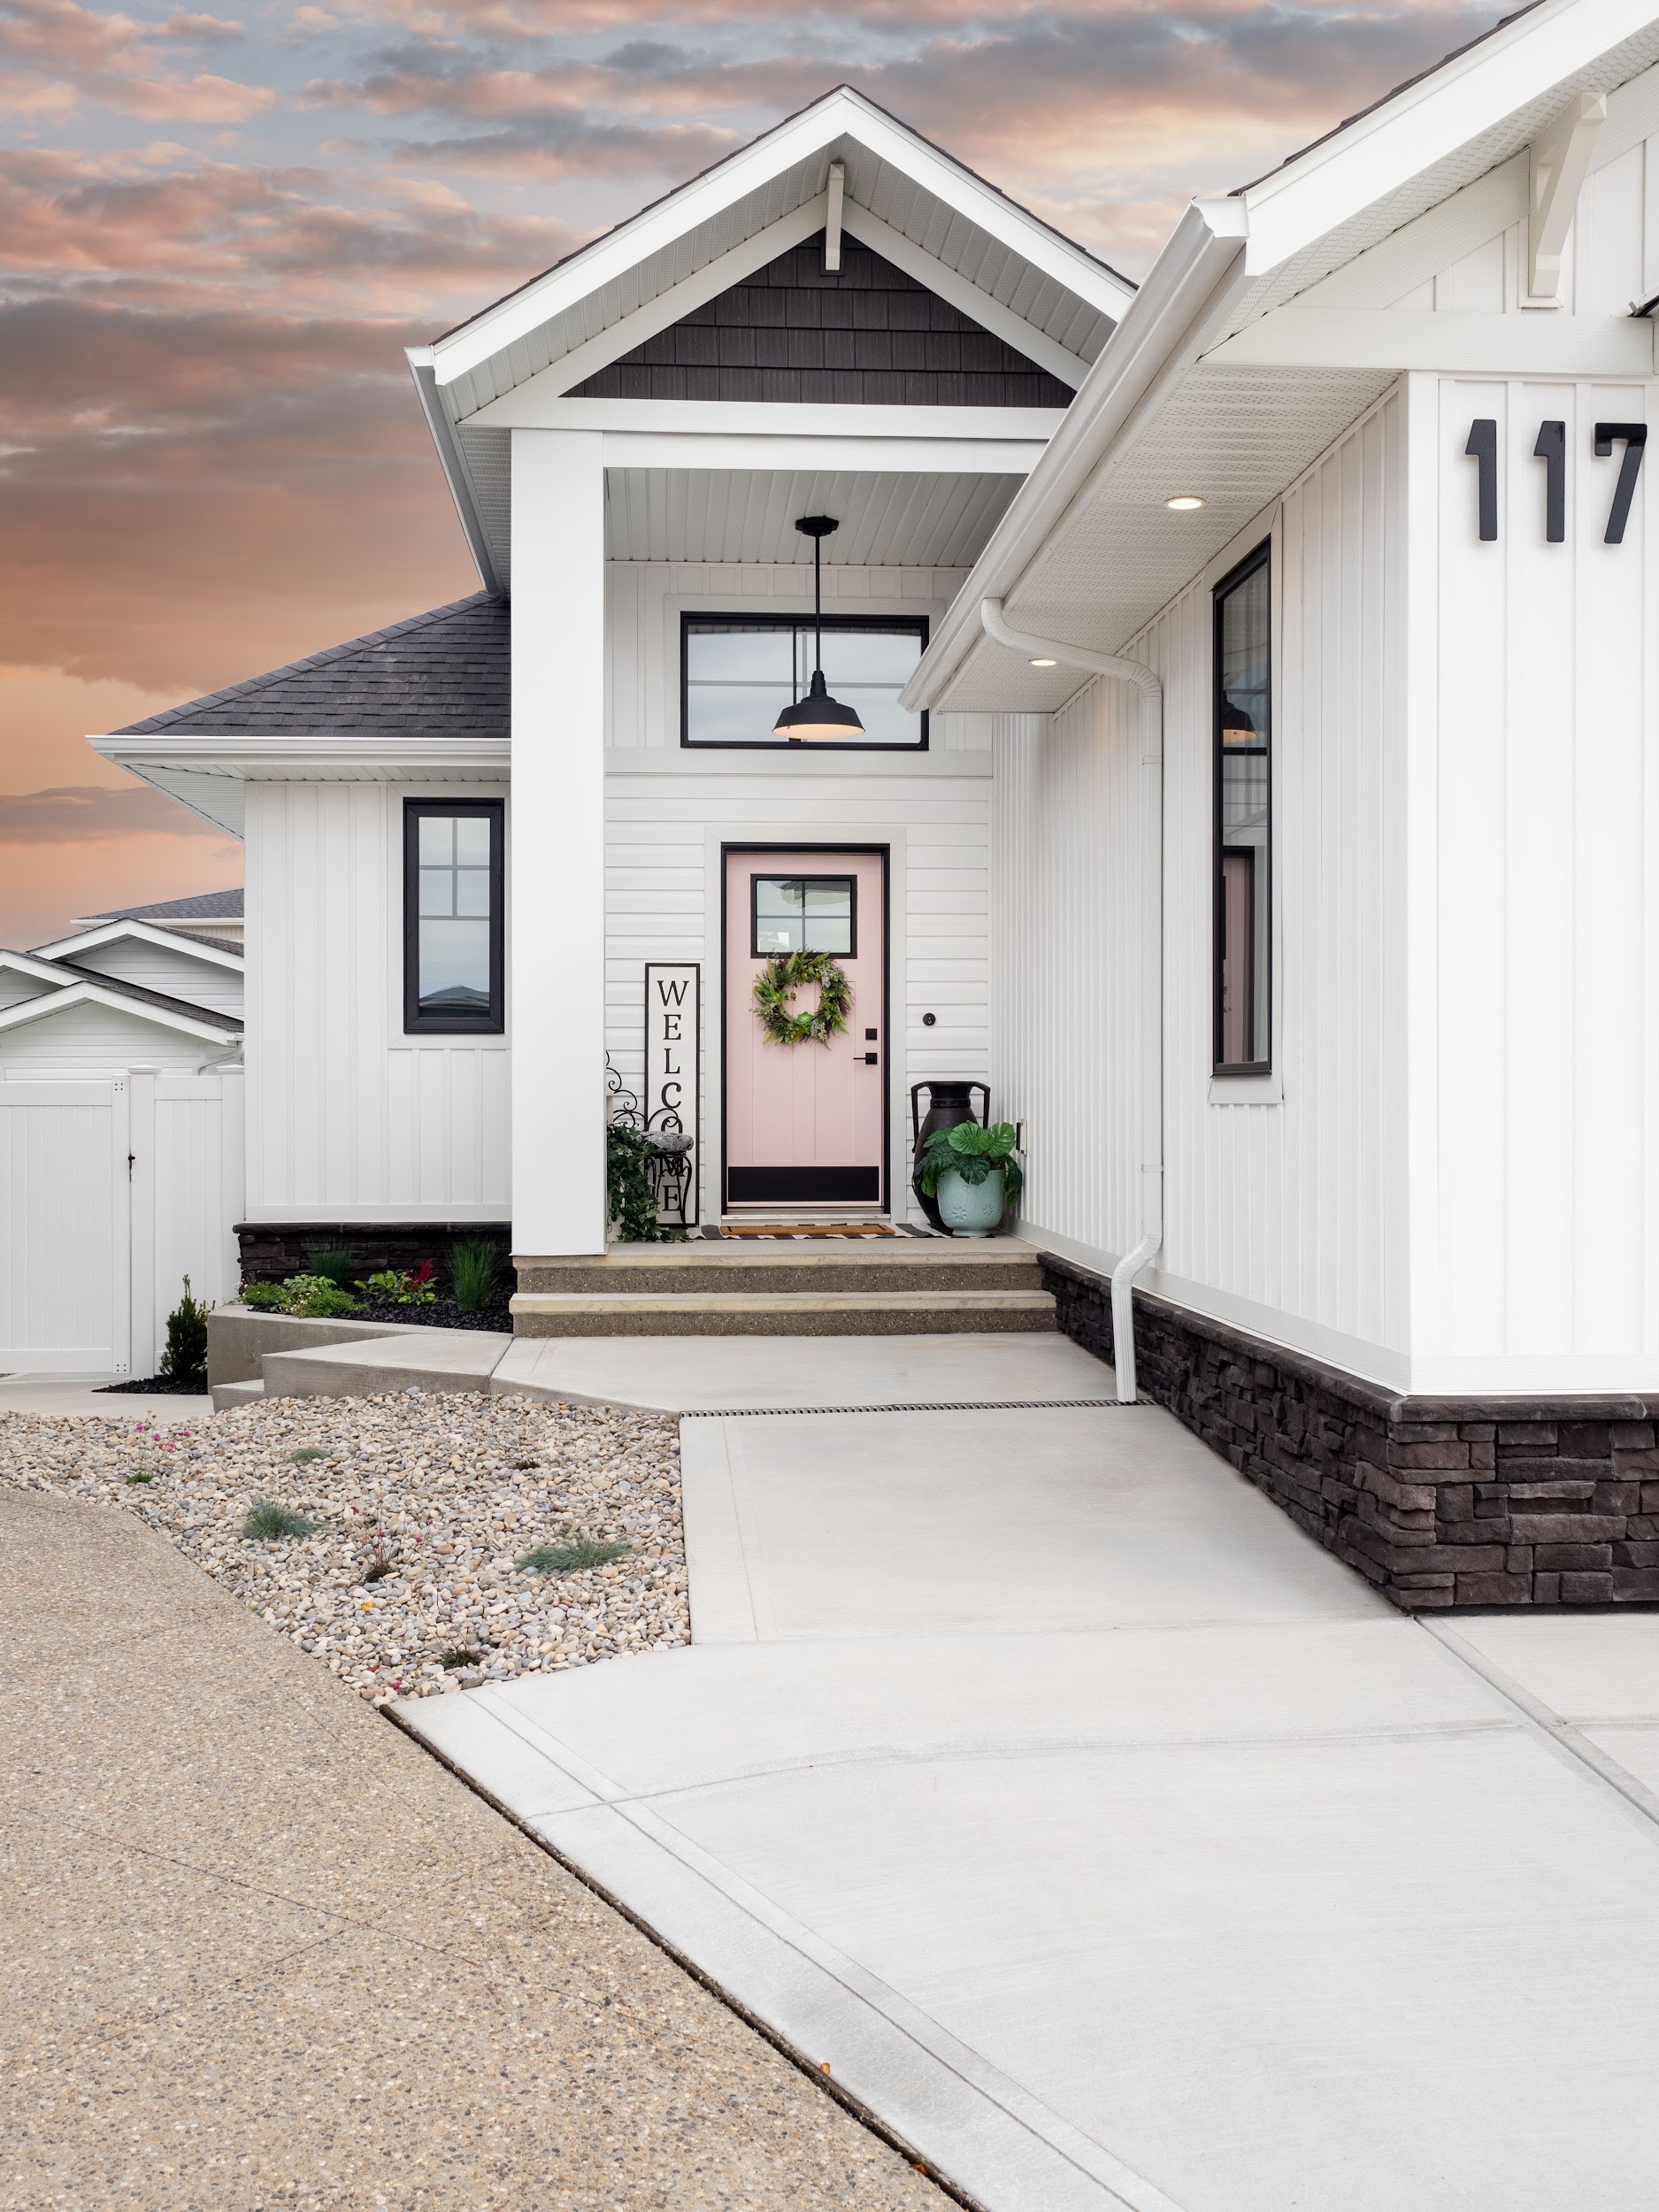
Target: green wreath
[{"x": 782, "y": 977}]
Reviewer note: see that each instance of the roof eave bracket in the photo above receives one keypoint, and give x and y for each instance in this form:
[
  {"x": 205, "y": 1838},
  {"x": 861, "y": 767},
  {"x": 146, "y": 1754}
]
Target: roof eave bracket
[{"x": 1559, "y": 164}]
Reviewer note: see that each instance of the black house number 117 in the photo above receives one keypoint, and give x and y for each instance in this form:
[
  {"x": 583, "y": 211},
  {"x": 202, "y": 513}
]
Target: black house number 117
[{"x": 1551, "y": 449}]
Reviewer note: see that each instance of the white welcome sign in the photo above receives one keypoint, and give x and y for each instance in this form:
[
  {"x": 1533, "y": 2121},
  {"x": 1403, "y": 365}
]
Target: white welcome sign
[{"x": 672, "y": 1027}]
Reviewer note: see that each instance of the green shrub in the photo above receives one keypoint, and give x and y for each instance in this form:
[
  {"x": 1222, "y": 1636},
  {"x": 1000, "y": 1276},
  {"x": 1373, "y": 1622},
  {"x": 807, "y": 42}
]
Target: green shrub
[
  {"x": 571, "y": 1556},
  {"x": 632, "y": 1203},
  {"x": 263, "y": 1297},
  {"x": 314, "y": 1298},
  {"x": 185, "y": 1359},
  {"x": 402, "y": 1285},
  {"x": 270, "y": 1520},
  {"x": 472, "y": 1275},
  {"x": 336, "y": 1265}
]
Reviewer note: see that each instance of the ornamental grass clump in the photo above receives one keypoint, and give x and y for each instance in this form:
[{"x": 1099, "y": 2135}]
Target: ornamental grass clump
[
  {"x": 270, "y": 1521},
  {"x": 573, "y": 1555},
  {"x": 472, "y": 1275},
  {"x": 335, "y": 1265}
]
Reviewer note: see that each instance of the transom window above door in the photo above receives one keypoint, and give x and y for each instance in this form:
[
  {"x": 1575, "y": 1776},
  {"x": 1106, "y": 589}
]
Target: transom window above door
[
  {"x": 738, "y": 672},
  {"x": 802, "y": 914}
]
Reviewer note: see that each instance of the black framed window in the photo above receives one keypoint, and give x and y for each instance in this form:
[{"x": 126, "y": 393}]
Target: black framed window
[
  {"x": 452, "y": 915},
  {"x": 739, "y": 671},
  {"x": 1244, "y": 794},
  {"x": 802, "y": 914}
]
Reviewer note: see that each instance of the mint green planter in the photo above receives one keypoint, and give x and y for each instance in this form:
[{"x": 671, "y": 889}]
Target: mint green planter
[{"x": 971, "y": 1210}]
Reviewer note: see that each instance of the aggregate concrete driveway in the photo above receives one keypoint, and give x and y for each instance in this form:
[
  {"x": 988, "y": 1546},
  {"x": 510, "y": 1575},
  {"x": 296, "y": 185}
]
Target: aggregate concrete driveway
[
  {"x": 1113, "y": 1842},
  {"x": 260, "y": 1952}
]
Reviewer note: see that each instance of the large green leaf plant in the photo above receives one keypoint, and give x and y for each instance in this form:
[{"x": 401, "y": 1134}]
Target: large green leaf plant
[{"x": 971, "y": 1152}]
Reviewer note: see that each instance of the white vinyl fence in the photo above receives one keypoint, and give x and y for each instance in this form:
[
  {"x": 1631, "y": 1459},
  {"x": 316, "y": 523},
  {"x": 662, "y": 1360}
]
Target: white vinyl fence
[{"x": 112, "y": 1190}]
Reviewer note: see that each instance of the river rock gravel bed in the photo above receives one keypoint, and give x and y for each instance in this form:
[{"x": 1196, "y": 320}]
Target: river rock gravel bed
[{"x": 425, "y": 1503}]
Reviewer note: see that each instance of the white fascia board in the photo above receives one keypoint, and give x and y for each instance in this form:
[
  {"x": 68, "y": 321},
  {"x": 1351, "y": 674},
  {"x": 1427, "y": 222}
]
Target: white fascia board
[
  {"x": 144, "y": 933},
  {"x": 1376, "y": 154},
  {"x": 1002, "y": 322},
  {"x": 1397, "y": 337},
  {"x": 892, "y": 456},
  {"x": 31, "y": 964},
  {"x": 1178, "y": 309},
  {"x": 775, "y": 418},
  {"x": 661, "y": 313},
  {"x": 91, "y": 993},
  {"x": 456, "y": 475},
  {"x": 286, "y": 758},
  {"x": 842, "y": 113}
]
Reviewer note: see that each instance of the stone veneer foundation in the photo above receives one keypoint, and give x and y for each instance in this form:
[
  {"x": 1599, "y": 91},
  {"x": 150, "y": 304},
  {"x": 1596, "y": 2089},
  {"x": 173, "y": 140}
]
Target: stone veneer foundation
[
  {"x": 271, "y": 1251},
  {"x": 1439, "y": 1501}
]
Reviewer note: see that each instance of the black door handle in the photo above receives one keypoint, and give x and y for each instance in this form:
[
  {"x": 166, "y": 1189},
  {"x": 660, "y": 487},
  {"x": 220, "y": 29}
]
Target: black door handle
[{"x": 870, "y": 1060}]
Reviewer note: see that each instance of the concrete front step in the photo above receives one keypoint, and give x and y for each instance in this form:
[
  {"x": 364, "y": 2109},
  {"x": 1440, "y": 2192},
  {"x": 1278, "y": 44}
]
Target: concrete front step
[
  {"x": 234, "y": 1394},
  {"x": 786, "y": 1269},
  {"x": 781, "y": 1311}
]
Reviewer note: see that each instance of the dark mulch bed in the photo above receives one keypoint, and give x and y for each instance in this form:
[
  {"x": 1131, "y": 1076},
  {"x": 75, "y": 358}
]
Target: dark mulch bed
[
  {"x": 444, "y": 1313},
  {"x": 157, "y": 1386}
]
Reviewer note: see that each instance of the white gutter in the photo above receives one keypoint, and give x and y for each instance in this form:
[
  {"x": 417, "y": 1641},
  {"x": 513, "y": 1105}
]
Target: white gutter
[{"x": 1149, "y": 952}]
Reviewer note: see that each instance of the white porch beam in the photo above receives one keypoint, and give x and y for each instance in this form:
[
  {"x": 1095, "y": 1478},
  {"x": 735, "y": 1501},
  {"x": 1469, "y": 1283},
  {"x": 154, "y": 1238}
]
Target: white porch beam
[
  {"x": 557, "y": 1017},
  {"x": 889, "y": 457},
  {"x": 1397, "y": 338},
  {"x": 962, "y": 294},
  {"x": 1560, "y": 163},
  {"x": 526, "y": 409}
]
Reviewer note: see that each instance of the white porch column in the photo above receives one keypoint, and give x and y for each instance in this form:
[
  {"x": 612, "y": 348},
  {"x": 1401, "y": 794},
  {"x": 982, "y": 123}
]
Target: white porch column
[{"x": 558, "y": 956}]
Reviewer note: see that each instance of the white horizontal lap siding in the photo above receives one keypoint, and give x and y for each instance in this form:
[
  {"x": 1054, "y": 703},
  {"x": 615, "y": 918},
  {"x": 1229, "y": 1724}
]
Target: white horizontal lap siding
[
  {"x": 1285, "y": 1217},
  {"x": 660, "y": 902},
  {"x": 97, "y": 1041},
  {"x": 1536, "y": 954},
  {"x": 175, "y": 974},
  {"x": 347, "y": 1117}
]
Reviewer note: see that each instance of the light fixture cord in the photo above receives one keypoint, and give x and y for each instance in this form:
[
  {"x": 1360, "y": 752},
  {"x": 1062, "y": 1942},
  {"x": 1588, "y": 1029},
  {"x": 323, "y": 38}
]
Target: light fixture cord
[{"x": 817, "y": 606}]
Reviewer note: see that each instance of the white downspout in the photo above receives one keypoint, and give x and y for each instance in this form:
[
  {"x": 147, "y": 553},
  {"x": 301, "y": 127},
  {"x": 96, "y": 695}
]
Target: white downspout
[{"x": 1151, "y": 953}]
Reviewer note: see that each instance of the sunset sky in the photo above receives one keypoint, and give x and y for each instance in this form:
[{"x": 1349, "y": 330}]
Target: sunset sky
[{"x": 220, "y": 232}]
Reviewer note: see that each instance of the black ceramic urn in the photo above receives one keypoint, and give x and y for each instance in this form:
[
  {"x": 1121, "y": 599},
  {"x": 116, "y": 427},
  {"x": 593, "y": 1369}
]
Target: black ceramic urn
[{"x": 947, "y": 1104}]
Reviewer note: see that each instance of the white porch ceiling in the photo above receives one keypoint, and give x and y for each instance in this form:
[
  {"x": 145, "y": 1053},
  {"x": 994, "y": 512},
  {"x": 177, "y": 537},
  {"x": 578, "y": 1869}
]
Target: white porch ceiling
[{"x": 921, "y": 521}]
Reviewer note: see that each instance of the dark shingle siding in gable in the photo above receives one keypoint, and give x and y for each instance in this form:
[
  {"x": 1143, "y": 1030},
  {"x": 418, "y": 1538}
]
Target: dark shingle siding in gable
[
  {"x": 797, "y": 333},
  {"x": 444, "y": 674}
]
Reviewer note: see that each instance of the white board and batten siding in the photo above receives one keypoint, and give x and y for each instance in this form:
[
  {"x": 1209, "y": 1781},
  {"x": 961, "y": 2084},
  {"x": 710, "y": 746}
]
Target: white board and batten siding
[
  {"x": 1534, "y": 903},
  {"x": 1283, "y": 1197},
  {"x": 669, "y": 810},
  {"x": 349, "y": 1119},
  {"x": 113, "y": 1188}
]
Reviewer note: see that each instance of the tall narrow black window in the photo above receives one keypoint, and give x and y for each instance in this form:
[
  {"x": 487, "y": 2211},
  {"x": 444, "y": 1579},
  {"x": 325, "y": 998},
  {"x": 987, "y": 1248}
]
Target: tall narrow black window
[
  {"x": 1243, "y": 881},
  {"x": 452, "y": 915}
]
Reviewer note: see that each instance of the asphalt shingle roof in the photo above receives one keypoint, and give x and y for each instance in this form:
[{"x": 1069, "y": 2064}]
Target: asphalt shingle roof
[
  {"x": 443, "y": 674},
  {"x": 70, "y": 975},
  {"x": 205, "y": 906}
]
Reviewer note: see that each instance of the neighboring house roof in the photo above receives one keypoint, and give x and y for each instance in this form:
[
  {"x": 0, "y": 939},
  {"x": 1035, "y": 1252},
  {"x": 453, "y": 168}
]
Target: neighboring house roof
[
  {"x": 84, "y": 986},
  {"x": 447, "y": 673},
  {"x": 203, "y": 906},
  {"x": 210, "y": 952}
]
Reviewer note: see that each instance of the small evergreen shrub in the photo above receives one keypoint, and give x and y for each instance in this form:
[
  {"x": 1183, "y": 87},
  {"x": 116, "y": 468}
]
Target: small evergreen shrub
[
  {"x": 472, "y": 1275},
  {"x": 335, "y": 1267},
  {"x": 572, "y": 1556},
  {"x": 185, "y": 1359},
  {"x": 270, "y": 1520}
]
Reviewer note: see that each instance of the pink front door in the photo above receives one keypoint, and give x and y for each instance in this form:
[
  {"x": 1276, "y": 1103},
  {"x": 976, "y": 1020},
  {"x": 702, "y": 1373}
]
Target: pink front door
[{"x": 806, "y": 1124}]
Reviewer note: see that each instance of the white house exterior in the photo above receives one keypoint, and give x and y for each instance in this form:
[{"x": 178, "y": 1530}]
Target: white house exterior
[{"x": 1322, "y": 969}]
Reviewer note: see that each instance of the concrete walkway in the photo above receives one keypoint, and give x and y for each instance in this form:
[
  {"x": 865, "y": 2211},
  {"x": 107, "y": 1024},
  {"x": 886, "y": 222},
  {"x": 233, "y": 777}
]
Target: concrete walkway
[
  {"x": 261, "y": 1951},
  {"x": 1113, "y": 1842},
  {"x": 84, "y": 1394}
]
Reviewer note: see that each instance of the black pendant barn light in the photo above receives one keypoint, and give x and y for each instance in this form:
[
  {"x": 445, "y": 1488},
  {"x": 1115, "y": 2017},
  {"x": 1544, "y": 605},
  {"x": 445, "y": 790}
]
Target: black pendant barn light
[{"x": 817, "y": 715}]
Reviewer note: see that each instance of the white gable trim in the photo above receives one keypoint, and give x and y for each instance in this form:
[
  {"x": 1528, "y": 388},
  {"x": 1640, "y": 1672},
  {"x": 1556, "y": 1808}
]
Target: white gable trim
[
  {"x": 1456, "y": 344},
  {"x": 90, "y": 994},
  {"x": 33, "y": 966},
  {"x": 842, "y": 114},
  {"x": 905, "y": 254},
  {"x": 145, "y": 934}
]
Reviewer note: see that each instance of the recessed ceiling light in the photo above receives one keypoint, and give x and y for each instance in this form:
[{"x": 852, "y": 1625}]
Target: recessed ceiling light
[
  {"x": 1042, "y": 663},
  {"x": 1184, "y": 502}
]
